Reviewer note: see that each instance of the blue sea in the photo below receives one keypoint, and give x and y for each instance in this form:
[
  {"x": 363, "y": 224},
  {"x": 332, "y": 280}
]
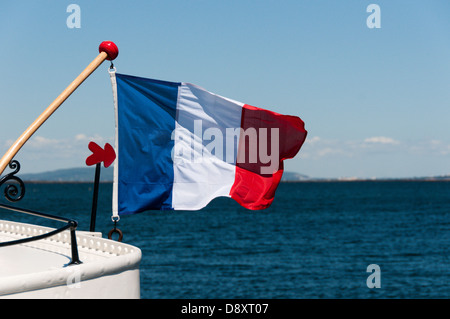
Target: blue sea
[{"x": 317, "y": 240}]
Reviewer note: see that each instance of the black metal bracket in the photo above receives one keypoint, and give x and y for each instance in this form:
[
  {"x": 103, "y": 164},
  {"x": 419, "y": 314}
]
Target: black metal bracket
[
  {"x": 13, "y": 193},
  {"x": 71, "y": 224},
  {"x": 95, "y": 197}
]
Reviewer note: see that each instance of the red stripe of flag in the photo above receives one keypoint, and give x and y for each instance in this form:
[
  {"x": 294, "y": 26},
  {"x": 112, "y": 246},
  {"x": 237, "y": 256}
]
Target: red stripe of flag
[{"x": 255, "y": 188}]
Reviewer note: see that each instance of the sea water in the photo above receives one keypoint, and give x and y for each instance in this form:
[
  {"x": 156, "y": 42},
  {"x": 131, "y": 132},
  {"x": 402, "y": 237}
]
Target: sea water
[{"x": 317, "y": 240}]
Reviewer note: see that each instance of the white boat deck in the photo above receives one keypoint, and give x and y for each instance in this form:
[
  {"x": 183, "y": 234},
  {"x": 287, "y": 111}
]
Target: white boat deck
[{"x": 40, "y": 269}]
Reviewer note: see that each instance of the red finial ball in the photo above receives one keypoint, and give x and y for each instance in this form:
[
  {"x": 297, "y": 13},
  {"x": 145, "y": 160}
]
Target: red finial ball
[{"x": 110, "y": 49}]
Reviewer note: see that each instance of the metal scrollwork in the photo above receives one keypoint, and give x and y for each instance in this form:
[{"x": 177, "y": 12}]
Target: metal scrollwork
[{"x": 13, "y": 192}]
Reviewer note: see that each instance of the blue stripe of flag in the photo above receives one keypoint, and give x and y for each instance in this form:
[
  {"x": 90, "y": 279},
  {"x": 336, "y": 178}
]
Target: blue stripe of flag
[{"x": 147, "y": 114}]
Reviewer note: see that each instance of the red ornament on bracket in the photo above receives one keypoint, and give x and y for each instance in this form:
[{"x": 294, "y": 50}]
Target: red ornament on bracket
[
  {"x": 99, "y": 155},
  {"x": 106, "y": 155}
]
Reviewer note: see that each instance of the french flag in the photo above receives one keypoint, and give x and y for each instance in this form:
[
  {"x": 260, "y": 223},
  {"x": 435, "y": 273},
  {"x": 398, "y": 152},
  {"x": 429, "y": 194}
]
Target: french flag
[{"x": 180, "y": 146}]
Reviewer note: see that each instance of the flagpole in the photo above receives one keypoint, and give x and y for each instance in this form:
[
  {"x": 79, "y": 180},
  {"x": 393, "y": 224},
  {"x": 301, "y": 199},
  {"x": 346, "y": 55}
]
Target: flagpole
[{"x": 108, "y": 51}]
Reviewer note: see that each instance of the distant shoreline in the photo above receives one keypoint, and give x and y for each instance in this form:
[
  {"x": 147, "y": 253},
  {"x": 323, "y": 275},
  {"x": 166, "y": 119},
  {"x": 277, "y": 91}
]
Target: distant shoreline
[
  {"x": 86, "y": 175},
  {"x": 384, "y": 180},
  {"x": 369, "y": 180},
  {"x": 64, "y": 182}
]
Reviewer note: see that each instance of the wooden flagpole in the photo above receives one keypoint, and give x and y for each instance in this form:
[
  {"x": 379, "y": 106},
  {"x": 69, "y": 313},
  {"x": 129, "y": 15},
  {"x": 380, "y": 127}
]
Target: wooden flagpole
[{"x": 108, "y": 51}]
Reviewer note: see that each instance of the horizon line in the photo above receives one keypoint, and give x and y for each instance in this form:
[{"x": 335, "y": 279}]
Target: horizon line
[{"x": 302, "y": 178}]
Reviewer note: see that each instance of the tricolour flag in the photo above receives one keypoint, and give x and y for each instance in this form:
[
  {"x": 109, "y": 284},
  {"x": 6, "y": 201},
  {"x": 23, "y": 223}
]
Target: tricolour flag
[{"x": 180, "y": 146}]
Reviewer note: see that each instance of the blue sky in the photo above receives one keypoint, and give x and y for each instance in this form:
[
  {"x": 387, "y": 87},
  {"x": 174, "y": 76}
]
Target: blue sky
[{"x": 375, "y": 101}]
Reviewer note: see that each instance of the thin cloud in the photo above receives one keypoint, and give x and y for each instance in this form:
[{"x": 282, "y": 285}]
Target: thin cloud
[
  {"x": 313, "y": 140},
  {"x": 73, "y": 149},
  {"x": 318, "y": 147},
  {"x": 381, "y": 140}
]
